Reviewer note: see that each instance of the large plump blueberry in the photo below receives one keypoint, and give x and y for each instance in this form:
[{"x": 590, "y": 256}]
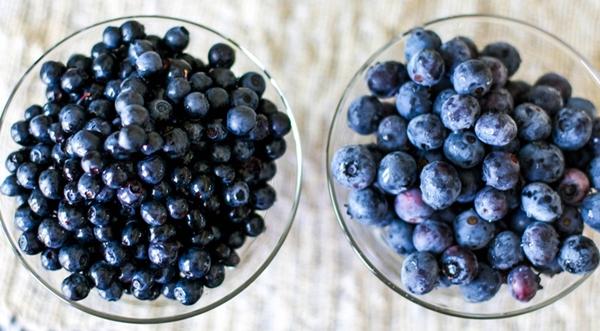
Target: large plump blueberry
[
  {"x": 51, "y": 71},
  {"x": 177, "y": 38},
  {"x": 412, "y": 100},
  {"x": 569, "y": 223},
  {"x": 440, "y": 184},
  {"x": 496, "y": 129},
  {"x": 484, "y": 287},
  {"x": 540, "y": 243},
  {"x": 397, "y": 171},
  {"x": 391, "y": 133},
  {"x": 572, "y": 129},
  {"x": 547, "y": 98},
  {"x": 426, "y": 132},
  {"x": 353, "y": 166},
  {"x": 10, "y": 186},
  {"x": 398, "y": 235},
  {"x": 491, "y": 204},
  {"x": 459, "y": 265},
  {"x": 74, "y": 258},
  {"x": 578, "y": 255},
  {"x": 420, "y": 272},
  {"x": 575, "y": 185},
  {"x": 134, "y": 114},
  {"x": 590, "y": 211},
  {"x": 426, "y": 67},
  {"x": 187, "y": 291},
  {"x": 504, "y": 251},
  {"x": 364, "y": 114},
  {"x": 194, "y": 263},
  {"x": 432, "y": 236},
  {"x": 500, "y": 170},
  {"x": 51, "y": 234},
  {"x": 221, "y": 56},
  {"x": 163, "y": 253},
  {"x": 459, "y": 112},
  {"x": 76, "y": 287},
  {"x": 240, "y": 120},
  {"x": 506, "y": 53},
  {"x": 29, "y": 244},
  {"x": 456, "y": 51},
  {"x": 542, "y": 162},
  {"x": 367, "y": 206},
  {"x": 558, "y": 82},
  {"x": 420, "y": 39},
  {"x": 523, "y": 283},
  {"x": 384, "y": 79},
  {"x": 410, "y": 207},
  {"x": 533, "y": 122},
  {"x": 472, "y": 77},
  {"x": 541, "y": 202},
  {"x": 472, "y": 231},
  {"x": 463, "y": 149}
]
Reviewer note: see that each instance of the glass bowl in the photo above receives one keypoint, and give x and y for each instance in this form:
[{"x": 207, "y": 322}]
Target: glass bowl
[
  {"x": 541, "y": 52},
  {"x": 256, "y": 254}
]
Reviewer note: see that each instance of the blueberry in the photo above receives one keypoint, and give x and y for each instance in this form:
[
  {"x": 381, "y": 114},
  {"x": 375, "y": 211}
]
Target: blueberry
[
  {"x": 10, "y": 186},
  {"x": 491, "y": 204},
  {"x": 112, "y": 293},
  {"x": 177, "y": 38},
  {"x": 398, "y": 235},
  {"x": 88, "y": 186},
  {"x": 459, "y": 112},
  {"x": 51, "y": 234},
  {"x": 84, "y": 141},
  {"x": 253, "y": 81},
  {"x": 177, "y": 207},
  {"x": 187, "y": 291},
  {"x": 397, "y": 171},
  {"x": 472, "y": 231},
  {"x": 547, "y": 98},
  {"x": 142, "y": 279},
  {"x": 51, "y": 71},
  {"x": 540, "y": 243},
  {"x": 240, "y": 120},
  {"x": 263, "y": 197},
  {"x": 472, "y": 77},
  {"x": 177, "y": 89},
  {"x": 504, "y": 251},
  {"x": 114, "y": 254},
  {"x": 420, "y": 273},
  {"x": 484, "y": 286},
  {"x": 163, "y": 253},
  {"x": 426, "y": 132},
  {"x": 498, "y": 69},
  {"x": 541, "y": 202},
  {"x": 221, "y": 56},
  {"x": 541, "y": 162},
  {"x": 196, "y": 105},
  {"x": 15, "y": 159},
  {"x": 572, "y": 129},
  {"x": 103, "y": 275},
  {"x": 578, "y": 255},
  {"x": 501, "y": 170},
  {"x": 74, "y": 258},
  {"x": 582, "y": 104},
  {"x": 569, "y": 223},
  {"x": 194, "y": 263},
  {"x": 590, "y": 211},
  {"x": 254, "y": 225},
  {"x": 459, "y": 265},
  {"x": 420, "y": 39},
  {"x": 150, "y": 170},
  {"x": 432, "y": 236},
  {"x": 440, "y": 99},
  {"x": 412, "y": 100},
  {"x": 367, "y": 206},
  {"x": 498, "y": 100},
  {"x": 519, "y": 90},
  {"x": 76, "y": 287},
  {"x": 29, "y": 244},
  {"x": 463, "y": 149},
  {"x": 126, "y": 98},
  {"x": 440, "y": 184},
  {"x": 131, "y": 192},
  {"x": 217, "y": 97},
  {"x": 456, "y": 51},
  {"x": 384, "y": 79},
  {"x": 533, "y": 122},
  {"x": 391, "y": 133},
  {"x": 410, "y": 207},
  {"x": 132, "y": 30},
  {"x": 39, "y": 126},
  {"x": 506, "y": 53},
  {"x": 131, "y": 137},
  {"x": 73, "y": 80},
  {"x": 25, "y": 219},
  {"x": 49, "y": 260},
  {"x": 104, "y": 67},
  {"x": 426, "y": 67},
  {"x": 470, "y": 184},
  {"x": 496, "y": 129},
  {"x": 523, "y": 283},
  {"x": 519, "y": 220},
  {"x": 353, "y": 166},
  {"x": 27, "y": 174},
  {"x": 558, "y": 82}
]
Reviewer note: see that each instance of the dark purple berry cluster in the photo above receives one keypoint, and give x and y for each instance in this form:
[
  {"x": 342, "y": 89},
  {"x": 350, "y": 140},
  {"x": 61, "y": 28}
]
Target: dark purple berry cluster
[
  {"x": 478, "y": 179},
  {"x": 146, "y": 168}
]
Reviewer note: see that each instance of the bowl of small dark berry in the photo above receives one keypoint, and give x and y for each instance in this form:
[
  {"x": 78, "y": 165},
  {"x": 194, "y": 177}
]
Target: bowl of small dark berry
[
  {"x": 464, "y": 166},
  {"x": 152, "y": 178}
]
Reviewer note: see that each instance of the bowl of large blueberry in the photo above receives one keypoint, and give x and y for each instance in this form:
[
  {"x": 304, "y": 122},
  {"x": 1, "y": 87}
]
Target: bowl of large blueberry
[
  {"x": 151, "y": 169},
  {"x": 464, "y": 166}
]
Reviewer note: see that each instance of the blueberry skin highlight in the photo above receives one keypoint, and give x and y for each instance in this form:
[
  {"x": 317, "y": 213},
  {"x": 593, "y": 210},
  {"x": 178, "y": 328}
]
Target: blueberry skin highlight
[
  {"x": 578, "y": 255},
  {"x": 420, "y": 273},
  {"x": 440, "y": 184}
]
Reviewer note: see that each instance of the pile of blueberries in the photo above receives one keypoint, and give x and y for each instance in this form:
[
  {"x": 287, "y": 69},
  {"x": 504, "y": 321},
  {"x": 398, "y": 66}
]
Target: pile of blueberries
[
  {"x": 479, "y": 179},
  {"x": 145, "y": 169}
]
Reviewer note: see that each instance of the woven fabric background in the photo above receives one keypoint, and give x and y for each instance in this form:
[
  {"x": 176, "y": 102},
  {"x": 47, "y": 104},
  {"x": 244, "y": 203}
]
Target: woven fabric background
[{"x": 312, "y": 48}]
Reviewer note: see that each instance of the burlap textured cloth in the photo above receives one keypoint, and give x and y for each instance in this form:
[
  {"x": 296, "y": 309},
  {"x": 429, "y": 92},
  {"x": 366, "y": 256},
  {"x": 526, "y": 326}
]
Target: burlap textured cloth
[{"x": 312, "y": 48}]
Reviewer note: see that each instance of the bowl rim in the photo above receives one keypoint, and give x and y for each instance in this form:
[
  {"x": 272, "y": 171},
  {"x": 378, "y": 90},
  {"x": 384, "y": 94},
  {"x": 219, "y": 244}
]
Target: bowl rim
[
  {"x": 331, "y": 185},
  {"x": 291, "y": 213}
]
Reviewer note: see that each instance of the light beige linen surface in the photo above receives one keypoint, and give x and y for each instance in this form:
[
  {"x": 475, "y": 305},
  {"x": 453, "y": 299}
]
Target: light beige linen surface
[{"x": 312, "y": 48}]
